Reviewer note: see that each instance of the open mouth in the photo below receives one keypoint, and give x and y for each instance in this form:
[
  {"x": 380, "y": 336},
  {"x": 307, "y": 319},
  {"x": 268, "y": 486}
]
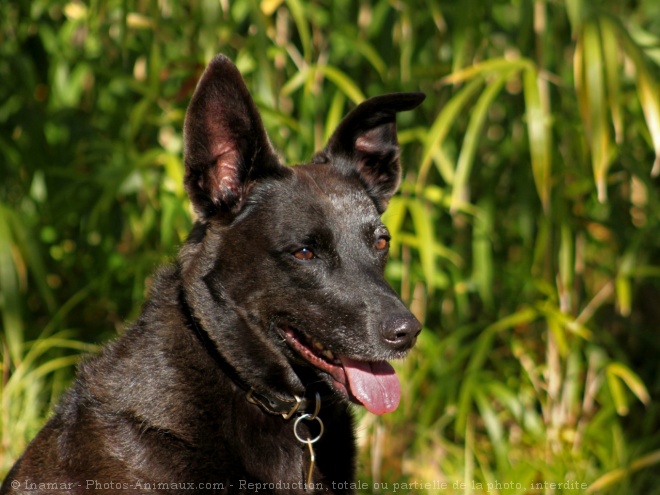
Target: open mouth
[{"x": 373, "y": 384}]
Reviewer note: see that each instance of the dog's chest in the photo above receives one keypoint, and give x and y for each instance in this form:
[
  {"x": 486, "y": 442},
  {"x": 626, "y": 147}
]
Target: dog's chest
[{"x": 272, "y": 460}]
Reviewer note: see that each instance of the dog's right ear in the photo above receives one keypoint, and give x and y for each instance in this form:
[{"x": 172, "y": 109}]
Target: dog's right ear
[{"x": 226, "y": 145}]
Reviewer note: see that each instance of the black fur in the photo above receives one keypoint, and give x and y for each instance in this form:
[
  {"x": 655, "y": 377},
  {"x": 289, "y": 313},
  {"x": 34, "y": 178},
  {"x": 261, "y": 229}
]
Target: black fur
[{"x": 279, "y": 258}]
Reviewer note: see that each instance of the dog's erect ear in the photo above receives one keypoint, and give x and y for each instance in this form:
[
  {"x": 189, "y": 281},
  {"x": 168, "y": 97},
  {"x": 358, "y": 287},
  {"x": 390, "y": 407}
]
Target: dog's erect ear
[
  {"x": 365, "y": 142},
  {"x": 226, "y": 145}
]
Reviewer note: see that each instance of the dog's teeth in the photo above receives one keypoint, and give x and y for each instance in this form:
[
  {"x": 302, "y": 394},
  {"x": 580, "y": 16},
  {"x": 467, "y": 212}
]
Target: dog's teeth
[
  {"x": 317, "y": 345},
  {"x": 329, "y": 355}
]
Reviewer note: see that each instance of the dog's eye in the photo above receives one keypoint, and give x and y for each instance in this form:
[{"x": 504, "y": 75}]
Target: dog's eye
[
  {"x": 382, "y": 243},
  {"x": 304, "y": 254}
]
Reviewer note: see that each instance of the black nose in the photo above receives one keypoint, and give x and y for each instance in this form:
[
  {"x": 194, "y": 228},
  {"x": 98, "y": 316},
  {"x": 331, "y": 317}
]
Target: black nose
[{"x": 400, "y": 331}]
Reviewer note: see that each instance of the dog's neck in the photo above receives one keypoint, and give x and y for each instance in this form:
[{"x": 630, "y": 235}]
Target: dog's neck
[{"x": 285, "y": 405}]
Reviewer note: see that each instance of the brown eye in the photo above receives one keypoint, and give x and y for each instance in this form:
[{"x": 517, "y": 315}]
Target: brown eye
[
  {"x": 304, "y": 254},
  {"x": 382, "y": 243}
]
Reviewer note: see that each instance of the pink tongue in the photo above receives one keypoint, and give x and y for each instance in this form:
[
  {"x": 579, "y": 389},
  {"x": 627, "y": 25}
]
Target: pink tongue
[{"x": 374, "y": 384}]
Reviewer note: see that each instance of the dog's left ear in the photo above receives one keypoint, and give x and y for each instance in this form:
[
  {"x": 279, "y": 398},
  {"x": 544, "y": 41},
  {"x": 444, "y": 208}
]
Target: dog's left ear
[{"x": 365, "y": 143}]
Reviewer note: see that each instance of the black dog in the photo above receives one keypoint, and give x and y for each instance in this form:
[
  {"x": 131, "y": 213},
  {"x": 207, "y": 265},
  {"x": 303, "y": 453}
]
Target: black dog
[{"x": 275, "y": 316}]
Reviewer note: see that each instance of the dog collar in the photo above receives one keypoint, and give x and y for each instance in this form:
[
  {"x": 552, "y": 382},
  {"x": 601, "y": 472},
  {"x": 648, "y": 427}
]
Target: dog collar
[
  {"x": 285, "y": 408},
  {"x": 267, "y": 402}
]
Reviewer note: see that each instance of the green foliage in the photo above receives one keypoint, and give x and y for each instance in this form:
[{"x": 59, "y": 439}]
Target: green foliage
[{"x": 525, "y": 237}]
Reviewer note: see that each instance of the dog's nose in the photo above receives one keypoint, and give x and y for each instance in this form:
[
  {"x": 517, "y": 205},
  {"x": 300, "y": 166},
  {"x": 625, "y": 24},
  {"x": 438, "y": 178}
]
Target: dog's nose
[{"x": 400, "y": 331}]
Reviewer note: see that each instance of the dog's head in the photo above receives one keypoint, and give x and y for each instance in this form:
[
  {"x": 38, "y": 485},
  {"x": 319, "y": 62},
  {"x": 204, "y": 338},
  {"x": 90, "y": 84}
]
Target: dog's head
[{"x": 284, "y": 269}]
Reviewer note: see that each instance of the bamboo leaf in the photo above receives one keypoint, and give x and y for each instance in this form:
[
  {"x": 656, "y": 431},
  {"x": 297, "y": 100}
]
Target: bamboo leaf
[
  {"x": 488, "y": 67},
  {"x": 362, "y": 47},
  {"x": 9, "y": 284},
  {"x": 612, "y": 70},
  {"x": 438, "y": 131},
  {"x": 607, "y": 480},
  {"x": 648, "y": 90},
  {"x": 393, "y": 218},
  {"x": 538, "y": 130},
  {"x": 424, "y": 231},
  {"x": 493, "y": 426},
  {"x": 482, "y": 251},
  {"x": 335, "y": 114},
  {"x": 53, "y": 365},
  {"x": 632, "y": 381},
  {"x": 481, "y": 351},
  {"x": 268, "y": 7},
  {"x": 297, "y": 81},
  {"x": 566, "y": 320},
  {"x": 566, "y": 263},
  {"x": 575, "y": 11},
  {"x": 599, "y": 138},
  {"x": 343, "y": 82},
  {"x": 472, "y": 135},
  {"x": 298, "y": 14},
  {"x": 578, "y": 80},
  {"x": 27, "y": 250},
  {"x": 624, "y": 294},
  {"x": 646, "y": 461},
  {"x": 616, "y": 475},
  {"x": 558, "y": 333},
  {"x": 406, "y": 42},
  {"x": 618, "y": 394}
]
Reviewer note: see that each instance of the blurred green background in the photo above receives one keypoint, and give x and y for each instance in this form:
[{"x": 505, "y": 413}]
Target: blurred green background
[{"x": 526, "y": 234}]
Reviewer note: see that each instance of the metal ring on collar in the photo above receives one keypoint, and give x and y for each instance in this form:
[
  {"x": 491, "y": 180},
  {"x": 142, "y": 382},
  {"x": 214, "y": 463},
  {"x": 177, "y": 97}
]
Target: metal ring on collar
[
  {"x": 317, "y": 407},
  {"x": 307, "y": 417}
]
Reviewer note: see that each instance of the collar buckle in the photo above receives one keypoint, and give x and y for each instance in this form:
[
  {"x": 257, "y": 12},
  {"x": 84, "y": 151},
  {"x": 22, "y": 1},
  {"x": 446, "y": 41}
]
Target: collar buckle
[{"x": 285, "y": 408}]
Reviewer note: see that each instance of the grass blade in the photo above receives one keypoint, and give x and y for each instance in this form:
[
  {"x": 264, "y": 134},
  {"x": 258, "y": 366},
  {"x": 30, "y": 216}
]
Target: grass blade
[
  {"x": 648, "y": 90},
  {"x": 298, "y": 14},
  {"x": 538, "y": 130},
  {"x": 426, "y": 238},
  {"x": 481, "y": 352},
  {"x": 471, "y": 139},
  {"x": 598, "y": 130},
  {"x": 335, "y": 114},
  {"x": 10, "y": 303},
  {"x": 488, "y": 67},
  {"x": 438, "y": 131},
  {"x": 343, "y": 82},
  {"x": 612, "y": 70},
  {"x": 616, "y": 475},
  {"x": 632, "y": 381}
]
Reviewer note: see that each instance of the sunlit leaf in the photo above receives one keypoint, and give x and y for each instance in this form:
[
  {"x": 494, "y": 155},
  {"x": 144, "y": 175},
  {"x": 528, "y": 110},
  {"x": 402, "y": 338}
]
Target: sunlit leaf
[
  {"x": 297, "y": 81},
  {"x": 612, "y": 74},
  {"x": 632, "y": 381},
  {"x": 472, "y": 137},
  {"x": 268, "y": 7},
  {"x": 493, "y": 67},
  {"x": 618, "y": 394},
  {"x": 343, "y": 82},
  {"x": 335, "y": 114},
  {"x": 594, "y": 85},
  {"x": 479, "y": 356},
  {"x": 424, "y": 230},
  {"x": 607, "y": 480},
  {"x": 538, "y": 130},
  {"x": 298, "y": 13},
  {"x": 9, "y": 283},
  {"x": 482, "y": 251},
  {"x": 566, "y": 262},
  {"x": 575, "y": 10},
  {"x": 393, "y": 218},
  {"x": 438, "y": 131},
  {"x": 615, "y": 476},
  {"x": 648, "y": 90}
]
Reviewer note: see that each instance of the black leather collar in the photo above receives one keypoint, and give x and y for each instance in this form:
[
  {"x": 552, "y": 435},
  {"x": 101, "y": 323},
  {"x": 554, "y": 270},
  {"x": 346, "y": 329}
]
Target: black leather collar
[{"x": 272, "y": 404}]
